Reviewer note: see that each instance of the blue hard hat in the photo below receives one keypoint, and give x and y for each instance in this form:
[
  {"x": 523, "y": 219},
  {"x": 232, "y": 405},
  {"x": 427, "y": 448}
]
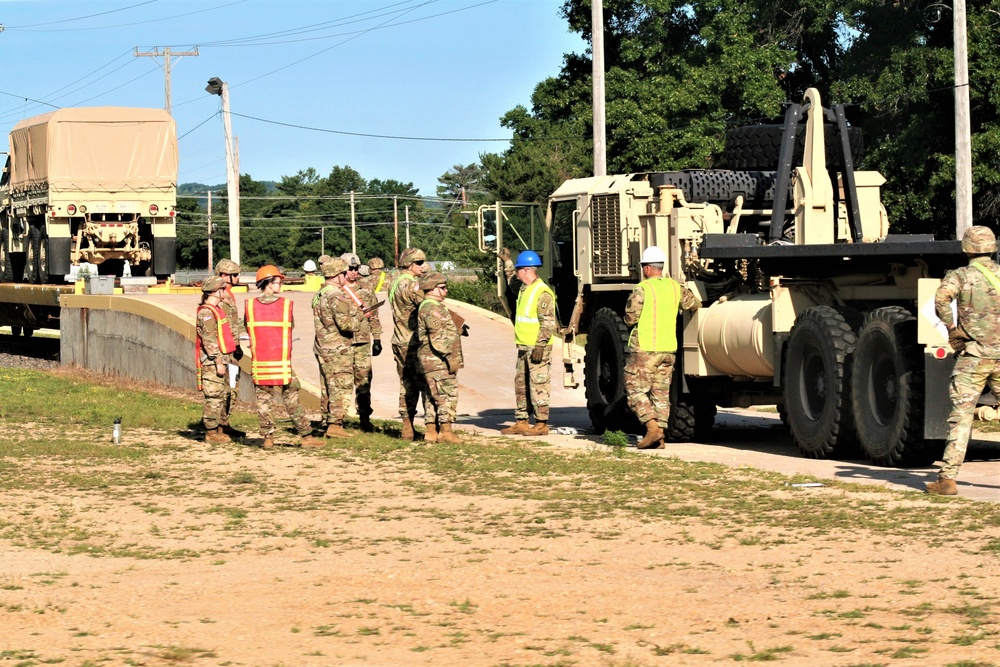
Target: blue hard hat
[{"x": 528, "y": 258}]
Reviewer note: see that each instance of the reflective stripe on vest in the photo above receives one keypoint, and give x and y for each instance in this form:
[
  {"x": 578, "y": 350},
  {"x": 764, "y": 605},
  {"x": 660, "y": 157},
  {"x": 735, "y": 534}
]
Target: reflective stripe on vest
[
  {"x": 657, "y": 325},
  {"x": 395, "y": 285},
  {"x": 526, "y": 324},
  {"x": 990, "y": 276},
  {"x": 270, "y": 329},
  {"x": 381, "y": 281},
  {"x": 224, "y": 333}
]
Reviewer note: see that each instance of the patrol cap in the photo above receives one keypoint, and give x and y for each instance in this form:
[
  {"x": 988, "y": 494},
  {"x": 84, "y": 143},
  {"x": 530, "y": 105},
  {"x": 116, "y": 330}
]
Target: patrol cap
[
  {"x": 432, "y": 280},
  {"x": 212, "y": 283},
  {"x": 376, "y": 263},
  {"x": 410, "y": 256},
  {"x": 334, "y": 268},
  {"x": 227, "y": 266},
  {"x": 351, "y": 259},
  {"x": 979, "y": 240}
]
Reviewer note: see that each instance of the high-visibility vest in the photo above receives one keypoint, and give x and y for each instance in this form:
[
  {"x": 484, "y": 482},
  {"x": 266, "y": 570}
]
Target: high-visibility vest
[
  {"x": 657, "y": 326},
  {"x": 395, "y": 285},
  {"x": 270, "y": 329},
  {"x": 381, "y": 281},
  {"x": 227, "y": 342},
  {"x": 526, "y": 324}
]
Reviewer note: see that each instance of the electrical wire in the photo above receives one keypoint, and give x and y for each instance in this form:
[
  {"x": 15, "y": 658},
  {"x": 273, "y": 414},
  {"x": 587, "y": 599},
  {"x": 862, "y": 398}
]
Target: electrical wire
[
  {"x": 78, "y": 18},
  {"x": 360, "y": 134},
  {"x": 127, "y": 25}
]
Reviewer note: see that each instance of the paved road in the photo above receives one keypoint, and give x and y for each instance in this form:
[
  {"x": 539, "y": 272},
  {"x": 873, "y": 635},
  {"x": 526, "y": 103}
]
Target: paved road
[{"x": 486, "y": 399}]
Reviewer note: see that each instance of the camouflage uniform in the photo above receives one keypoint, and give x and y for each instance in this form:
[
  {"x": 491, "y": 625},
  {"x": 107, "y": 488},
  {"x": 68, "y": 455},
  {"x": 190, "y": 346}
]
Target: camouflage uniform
[
  {"x": 440, "y": 356},
  {"x": 404, "y": 298},
  {"x": 369, "y": 330},
  {"x": 228, "y": 305},
  {"x": 978, "y": 301},
  {"x": 337, "y": 319},
  {"x": 532, "y": 381},
  {"x": 648, "y": 374},
  {"x": 288, "y": 394},
  {"x": 215, "y": 389}
]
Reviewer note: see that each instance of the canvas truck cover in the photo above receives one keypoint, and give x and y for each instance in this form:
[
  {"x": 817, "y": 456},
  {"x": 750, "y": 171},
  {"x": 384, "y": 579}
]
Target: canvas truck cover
[{"x": 103, "y": 149}]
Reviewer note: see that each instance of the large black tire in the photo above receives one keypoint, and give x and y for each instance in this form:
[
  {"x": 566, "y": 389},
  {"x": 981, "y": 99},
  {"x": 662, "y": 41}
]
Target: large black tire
[
  {"x": 757, "y": 147},
  {"x": 690, "y": 420},
  {"x": 604, "y": 374},
  {"x": 818, "y": 380},
  {"x": 37, "y": 268},
  {"x": 887, "y": 390},
  {"x": 4, "y": 260}
]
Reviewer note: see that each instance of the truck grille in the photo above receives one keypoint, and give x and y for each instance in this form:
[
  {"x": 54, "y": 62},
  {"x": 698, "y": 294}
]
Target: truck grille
[{"x": 605, "y": 225}]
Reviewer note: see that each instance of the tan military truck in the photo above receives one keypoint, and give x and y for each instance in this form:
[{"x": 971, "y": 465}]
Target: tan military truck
[
  {"x": 95, "y": 185},
  {"x": 808, "y": 302}
]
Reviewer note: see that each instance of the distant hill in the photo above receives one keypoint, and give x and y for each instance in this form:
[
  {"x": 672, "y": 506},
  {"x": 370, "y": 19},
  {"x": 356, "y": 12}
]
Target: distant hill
[{"x": 195, "y": 189}]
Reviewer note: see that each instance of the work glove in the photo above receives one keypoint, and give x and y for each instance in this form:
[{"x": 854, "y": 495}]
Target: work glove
[
  {"x": 957, "y": 339},
  {"x": 465, "y": 329},
  {"x": 376, "y": 348},
  {"x": 238, "y": 353},
  {"x": 504, "y": 255},
  {"x": 537, "y": 354}
]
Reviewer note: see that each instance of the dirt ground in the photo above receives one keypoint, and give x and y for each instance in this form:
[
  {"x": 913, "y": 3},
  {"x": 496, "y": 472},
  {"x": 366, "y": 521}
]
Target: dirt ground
[{"x": 230, "y": 555}]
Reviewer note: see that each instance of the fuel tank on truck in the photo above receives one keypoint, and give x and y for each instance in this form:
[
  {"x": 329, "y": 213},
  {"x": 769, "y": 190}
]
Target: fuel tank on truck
[{"x": 735, "y": 336}]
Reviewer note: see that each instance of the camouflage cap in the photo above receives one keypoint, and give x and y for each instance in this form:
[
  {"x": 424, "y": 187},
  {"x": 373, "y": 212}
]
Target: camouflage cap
[
  {"x": 351, "y": 259},
  {"x": 411, "y": 255},
  {"x": 212, "y": 284},
  {"x": 227, "y": 266},
  {"x": 432, "y": 280},
  {"x": 334, "y": 268},
  {"x": 376, "y": 263},
  {"x": 979, "y": 240}
]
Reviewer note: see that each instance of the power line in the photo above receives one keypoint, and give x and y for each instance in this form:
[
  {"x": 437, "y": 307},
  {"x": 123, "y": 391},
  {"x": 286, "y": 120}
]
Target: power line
[
  {"x": 127, "y": 25},
  {"x": 361, "y": 134},
  {"x": 80, "y": 18}
]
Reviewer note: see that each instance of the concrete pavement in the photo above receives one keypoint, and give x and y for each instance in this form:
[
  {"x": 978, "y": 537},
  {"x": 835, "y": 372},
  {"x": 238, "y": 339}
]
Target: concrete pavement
[{"x": 486, "y": 401}]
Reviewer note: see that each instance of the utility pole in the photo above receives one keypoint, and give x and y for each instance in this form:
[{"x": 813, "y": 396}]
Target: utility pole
[
  {"x": 963, "y": 126},
  {"x": 354, "y": 234},
  {"x": 597, "y": 74},
  {"x": 395, "y": 226},
  {"x": 210, "y": 231},
  {"x": 167, "y": 54},
  {"x": 322, "y": 240},
  {"x": 407, "y": 225},
  {"x": 217, "y": 86}
]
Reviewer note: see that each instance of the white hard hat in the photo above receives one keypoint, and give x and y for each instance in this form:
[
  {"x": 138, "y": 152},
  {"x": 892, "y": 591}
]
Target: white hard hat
[
  {"x": 309, "y": 265},
  {"x": 653, "y": 255}
]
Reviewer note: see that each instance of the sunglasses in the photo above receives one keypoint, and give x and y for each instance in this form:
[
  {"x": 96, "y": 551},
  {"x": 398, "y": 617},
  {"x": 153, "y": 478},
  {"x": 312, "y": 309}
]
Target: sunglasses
[
  {"x": 232, "y": 275},
  {"x": 354, "y": 268},
  {"x": 419, "y": 262}
]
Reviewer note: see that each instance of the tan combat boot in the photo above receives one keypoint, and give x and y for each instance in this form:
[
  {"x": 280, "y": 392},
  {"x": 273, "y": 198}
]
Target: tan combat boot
[
  {"x": 520, "y": 427},
  {"x": 654, "y": 436},
  {"x": 216, "y": 436},
  {"x": 337, "y": 431},
  {"x": 541, "y": 427},
  {"x": 311, "y": 442},
  {"x": 432, "y": 433},
  {"x": 448, "y": 436},
  {"x": 268, "y": 442},
  {"x": 407, "y": 431},
  {"x": 942, "y": 487}
]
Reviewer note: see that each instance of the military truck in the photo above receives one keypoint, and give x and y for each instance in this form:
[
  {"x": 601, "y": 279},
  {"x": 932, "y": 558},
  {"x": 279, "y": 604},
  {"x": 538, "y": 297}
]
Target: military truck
[
  {"x": 809, "y": 303},
  {"x": 93, "y": 185}
]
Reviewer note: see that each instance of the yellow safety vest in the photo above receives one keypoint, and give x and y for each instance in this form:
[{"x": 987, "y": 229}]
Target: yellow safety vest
[
  {"x": 526, "y": 324},
  {"x": 657, "y": 326}
]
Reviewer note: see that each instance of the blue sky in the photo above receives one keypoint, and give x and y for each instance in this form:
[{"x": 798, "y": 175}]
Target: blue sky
[{"x": 405, "y": 68}]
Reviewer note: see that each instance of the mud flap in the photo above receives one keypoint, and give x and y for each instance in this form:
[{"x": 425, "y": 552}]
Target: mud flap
[
  {"x": 57, "y": 255},
  {"x": 164, "y": 256}
]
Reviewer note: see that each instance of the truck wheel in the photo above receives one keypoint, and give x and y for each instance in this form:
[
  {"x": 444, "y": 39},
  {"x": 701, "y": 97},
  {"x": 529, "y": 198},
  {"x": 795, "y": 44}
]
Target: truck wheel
[
  {"x": 604, "y": 374},
  {"x": 4, "y": 259},
  {"x": 757, "y": 147},
  {"x": 818, "y": 379},
  {"x": 37, "y": 270},
  {"x": 887, "y": 390},
  {"x": 690, "y": 420}
]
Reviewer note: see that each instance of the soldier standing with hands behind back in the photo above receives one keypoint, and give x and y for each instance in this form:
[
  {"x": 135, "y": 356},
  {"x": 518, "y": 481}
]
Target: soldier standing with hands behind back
[
  {"x": 975, "y": 337},
  {"x": 440, "y": 358},
  {"x": 652, "y": 310}
]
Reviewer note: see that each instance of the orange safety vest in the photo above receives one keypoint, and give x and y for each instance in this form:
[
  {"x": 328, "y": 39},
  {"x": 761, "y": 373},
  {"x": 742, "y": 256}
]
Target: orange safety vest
[
  {"x": 227, "y": 342},
  {"x": 270, "y": 329}
]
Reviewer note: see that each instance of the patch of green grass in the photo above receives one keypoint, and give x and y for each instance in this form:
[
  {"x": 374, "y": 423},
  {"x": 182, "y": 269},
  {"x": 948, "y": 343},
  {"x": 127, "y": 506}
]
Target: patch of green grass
[{"x": 762, "y": 655}]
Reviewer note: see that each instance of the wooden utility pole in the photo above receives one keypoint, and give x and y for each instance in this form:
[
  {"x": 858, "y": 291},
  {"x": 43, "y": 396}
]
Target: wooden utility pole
[
  {"x": 395, "y": 229},
  {"x": 963, "y": 126},
  {"x": 210, "y": 231},
  {"x": 354, "y": 233},
  {"x": 166, "y": 54},
  {"x": 597, "y": 74}
]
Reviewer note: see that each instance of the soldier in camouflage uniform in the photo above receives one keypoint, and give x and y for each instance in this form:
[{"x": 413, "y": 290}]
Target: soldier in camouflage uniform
[
  {"x": 440, "y": 356},
  {"x": 367, "y": 339},
  {"x": 229, "y": 272},
  {"x": 404, "y": 299},
  {"x": 214, "y": 349},
  {"x": 534, "y": 332},
  {"x": 975, "y": 338},
  {"x": 337, "y": 319},
  {"x": 378, "y": 279},
  {"x": 652, "y": 310}
]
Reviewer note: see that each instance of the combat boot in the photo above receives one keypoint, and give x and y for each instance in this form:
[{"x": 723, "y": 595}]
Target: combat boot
[
  {"x": 311, "y": 442},
  {"x": 366, "y": 425},
  {"x": 448, "y": 436},
  {"x": 216, "y": 436},
  {"x": 407, "y": 431},
  {"x": 268, "y": 442},
  {"x": 432, "y": 433},
  {"x": 233, "y": 433},
  {"x": 654, "y": 436},
  {"x": 337, "y": 431},
  {"x": 520, "y": 427},
  {"x": 942, "y": 487},
  {"x": 541, "y": 427}
]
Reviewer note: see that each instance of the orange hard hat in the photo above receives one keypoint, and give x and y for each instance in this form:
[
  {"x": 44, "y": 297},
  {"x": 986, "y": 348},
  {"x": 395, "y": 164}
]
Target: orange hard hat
[{"x": 268, "y": 271}]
